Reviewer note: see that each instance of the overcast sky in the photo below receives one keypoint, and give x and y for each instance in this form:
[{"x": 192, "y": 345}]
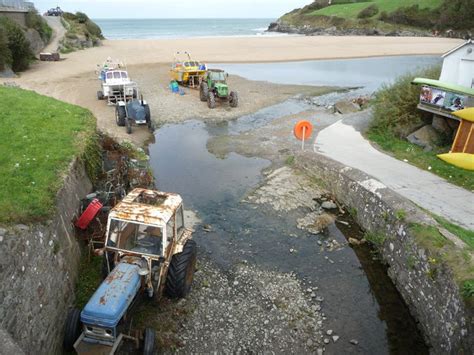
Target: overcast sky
[{"x": 176, "y": 8}]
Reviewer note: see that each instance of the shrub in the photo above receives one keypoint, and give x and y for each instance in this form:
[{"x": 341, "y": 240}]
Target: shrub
[
  {"x": 411, "y": 16},
  {"x": 36, "y": 22},
  {"x": 395, "y": 106},
  {"x": 81, "y": 17},
  {"x": 369, "y": 11},
  {"x": 5, "y": 54},
  {"x": 456, "y": 14},
  {"x": 93, "y": 29},
  {"x": 19, "y": 47}
]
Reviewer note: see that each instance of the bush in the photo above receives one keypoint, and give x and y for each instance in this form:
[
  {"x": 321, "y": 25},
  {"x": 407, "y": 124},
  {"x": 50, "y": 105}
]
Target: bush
[
  {"x": 5, "y": 54},
  {"x": 81, "y": 17},
  {"x": 36, "y": 22},
  {"x": 411, "y": 16},
  {"x": 457, "y": 15},
  {"x": 395, "y": 106},
  {"x": 93, "y": 29},
  {"x": 19, "y": 47},
  {"x": 369, "y": 11}
]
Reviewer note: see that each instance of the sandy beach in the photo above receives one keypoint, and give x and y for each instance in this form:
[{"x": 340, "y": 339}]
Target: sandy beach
[{"x": 73, "y": 79}]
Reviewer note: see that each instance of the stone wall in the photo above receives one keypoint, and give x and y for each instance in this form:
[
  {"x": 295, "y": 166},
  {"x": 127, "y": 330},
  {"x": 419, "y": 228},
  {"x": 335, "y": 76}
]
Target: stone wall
[
  {"x": 17, "y": 16},
  {"x": 38, "y": 270},
  {"x": 432, "y": 297}
]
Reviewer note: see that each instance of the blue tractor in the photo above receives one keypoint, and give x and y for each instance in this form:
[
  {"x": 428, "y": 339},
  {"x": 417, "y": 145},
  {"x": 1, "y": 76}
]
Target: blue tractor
[
  {"x": 147, "y": 251},
  {"x": 131, "y": 112}
]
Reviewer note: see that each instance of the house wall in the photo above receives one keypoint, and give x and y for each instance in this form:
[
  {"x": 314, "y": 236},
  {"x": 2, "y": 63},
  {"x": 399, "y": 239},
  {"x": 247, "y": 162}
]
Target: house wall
[{"x": 458, "y": 67}]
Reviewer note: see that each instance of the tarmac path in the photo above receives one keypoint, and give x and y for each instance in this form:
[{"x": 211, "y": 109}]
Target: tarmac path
[{"x": 342, "y": 141}]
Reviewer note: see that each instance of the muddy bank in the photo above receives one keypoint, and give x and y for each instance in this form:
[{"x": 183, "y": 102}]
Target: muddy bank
[{"x": 153, "y": 81}]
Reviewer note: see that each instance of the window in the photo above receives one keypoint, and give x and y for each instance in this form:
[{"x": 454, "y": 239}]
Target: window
[
  {"x": 109, "y": 75},
  {"x": 124, "y": 75},
  {"x": 116, "y": 75},
  {"x": 170, "y": 229},
  {"x": 135, "y": 237},
  {"x": 179, "y": 220}
]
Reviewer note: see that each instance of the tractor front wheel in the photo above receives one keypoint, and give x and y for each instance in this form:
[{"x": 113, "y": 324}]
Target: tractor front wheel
[
  {"x": 211, "y": 101},
  {"x": 233, "y": 99},
  {"x": 181, "y": 271},
  {"x": 120, "y": 115},
  {"x": 129, "y": 126},
  {"x": 73, "y": 329},
  {"x": 204, "y": 92},
  {"x": 149, "y": 342}
]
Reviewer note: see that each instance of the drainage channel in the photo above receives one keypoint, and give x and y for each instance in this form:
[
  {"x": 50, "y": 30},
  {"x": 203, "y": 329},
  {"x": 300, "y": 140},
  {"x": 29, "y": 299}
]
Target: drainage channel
[{"x": 359, "y": 300}]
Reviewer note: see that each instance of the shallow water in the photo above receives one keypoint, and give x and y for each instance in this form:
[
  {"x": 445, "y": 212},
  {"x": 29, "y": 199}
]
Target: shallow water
[
  {"x": 367, "y": 73},
  {"x": 359, "y": 299}
]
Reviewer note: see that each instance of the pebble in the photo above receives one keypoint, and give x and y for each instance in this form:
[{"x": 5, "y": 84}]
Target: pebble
[
  {"x": 329, "y": 332},
  {"x": 236, "y": 283},
  {"x": 335, "y": 338},
  {"x": 309, "y": 343},
  {"x": 354, "y": 341},
  {"x": 319, "y": 351},
  {"x": 328, "y": 205},
  {"x": 326, "y": 341},
  {"x": 3, "y": 231}
]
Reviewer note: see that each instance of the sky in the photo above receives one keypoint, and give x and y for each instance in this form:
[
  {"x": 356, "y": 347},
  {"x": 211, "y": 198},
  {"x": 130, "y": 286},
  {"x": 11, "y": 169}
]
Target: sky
[{"x": 176, "y": 8}]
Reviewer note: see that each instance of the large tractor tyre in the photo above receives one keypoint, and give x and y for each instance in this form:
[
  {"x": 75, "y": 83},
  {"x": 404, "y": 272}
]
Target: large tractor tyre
[
  {"x": 211, "y": 101},
  {"x": 149, "y": 342},
  {"x": 204, "y": 92},
  {"x": 181, "y": 271},
  {"x": 73, "y": 329},
  {"x": 233, "y": 99},
  {"x": 129, "y": 126},
  {"x": 120, "y": 115},
  {"x": 146, "y": 107},
  {"x": 100, "y": 95}
]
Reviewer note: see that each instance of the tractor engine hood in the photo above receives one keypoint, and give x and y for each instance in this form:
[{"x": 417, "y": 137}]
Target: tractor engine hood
[
  {"x": 221, "y": 88},
  {"x": 113, "y": 297},
  {"x": 136, "y": 110}
]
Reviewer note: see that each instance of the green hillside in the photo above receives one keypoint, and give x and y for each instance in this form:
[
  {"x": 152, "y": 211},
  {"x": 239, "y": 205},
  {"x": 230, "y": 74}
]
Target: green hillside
[
  {"x": 383, "y": 17},
  {"x": 351, "y": 10}
]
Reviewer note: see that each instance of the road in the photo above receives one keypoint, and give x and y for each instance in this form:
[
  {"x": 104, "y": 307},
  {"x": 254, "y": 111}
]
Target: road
[{"x": 58, "y": 33}]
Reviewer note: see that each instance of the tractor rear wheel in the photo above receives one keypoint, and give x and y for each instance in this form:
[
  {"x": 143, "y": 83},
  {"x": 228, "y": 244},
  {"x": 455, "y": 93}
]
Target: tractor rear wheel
[
  {"x": 129, "y": 126},
  {"x": 181, "y": 271},
  {"x": 100, "y": 95},
  {"x": 211, "y": 101},
  {"x": 120, "y": 115},
  {"x": 204, "y": 92},
  {"x": 233, "y": 99},
  {"x": 147, "y": 112},
  {"x": 148, "y": 342},
  {"x": 73, "y": 329}
]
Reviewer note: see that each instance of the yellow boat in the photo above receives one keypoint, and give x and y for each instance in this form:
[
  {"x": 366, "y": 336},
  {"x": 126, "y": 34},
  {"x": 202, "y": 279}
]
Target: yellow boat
[
  {"x": 187, "y": 72},
  {"x": 461, "y": 160}
]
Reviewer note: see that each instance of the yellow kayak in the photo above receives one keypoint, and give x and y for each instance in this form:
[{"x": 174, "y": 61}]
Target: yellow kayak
[
  {"x": 466, "y": 114},
  {"x": 461, "y": 160}
]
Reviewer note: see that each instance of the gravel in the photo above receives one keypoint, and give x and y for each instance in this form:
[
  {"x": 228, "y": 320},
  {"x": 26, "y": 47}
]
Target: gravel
[{"x": 247, "y": 310}]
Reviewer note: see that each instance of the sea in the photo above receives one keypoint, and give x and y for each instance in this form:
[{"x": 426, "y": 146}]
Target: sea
[{"x": 183, "y": 28}]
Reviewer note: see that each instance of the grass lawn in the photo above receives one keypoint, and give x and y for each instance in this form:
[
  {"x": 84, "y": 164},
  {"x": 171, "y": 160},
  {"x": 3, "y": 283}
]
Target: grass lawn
[
  {"x": 415, "y": 155},
  {"x": 39, "y": 138},
  {"x": 352, "y": 10}
]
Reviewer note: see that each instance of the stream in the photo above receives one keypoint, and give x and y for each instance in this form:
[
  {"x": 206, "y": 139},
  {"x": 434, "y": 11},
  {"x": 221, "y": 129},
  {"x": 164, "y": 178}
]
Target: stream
[{"x": 360, "y": 301}]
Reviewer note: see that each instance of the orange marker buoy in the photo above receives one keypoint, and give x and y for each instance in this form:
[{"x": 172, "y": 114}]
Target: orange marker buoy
[{"x": 303, "y": 130}]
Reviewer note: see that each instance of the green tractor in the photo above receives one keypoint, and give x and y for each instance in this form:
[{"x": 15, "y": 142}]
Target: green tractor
[{"x": 214, "y": 86}]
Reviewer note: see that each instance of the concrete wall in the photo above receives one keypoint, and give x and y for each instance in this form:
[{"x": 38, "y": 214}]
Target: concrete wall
[
  {"x": 17, "y": 16},
  {"x": 38, "y": 271},
  {"x": 432, "y": 297},
  {"x": 458, "y": 67}
]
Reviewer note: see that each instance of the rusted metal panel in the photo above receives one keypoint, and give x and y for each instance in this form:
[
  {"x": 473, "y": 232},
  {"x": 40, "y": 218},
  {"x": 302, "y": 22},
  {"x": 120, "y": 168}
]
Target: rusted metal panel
[{"x": 147, "y": 207}]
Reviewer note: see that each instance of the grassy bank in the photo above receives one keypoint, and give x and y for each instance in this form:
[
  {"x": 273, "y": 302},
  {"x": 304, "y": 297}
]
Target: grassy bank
[
  {"x": 396, "y": 115},
  {"x": 81, "y": 33},
  {"x": 40, "y": 136}
]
